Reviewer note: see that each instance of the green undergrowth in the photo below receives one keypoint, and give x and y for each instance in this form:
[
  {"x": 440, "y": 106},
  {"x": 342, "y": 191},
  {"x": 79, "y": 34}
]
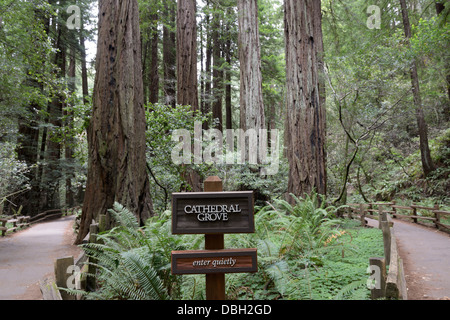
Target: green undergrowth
[{"x": 304, "y": 252}]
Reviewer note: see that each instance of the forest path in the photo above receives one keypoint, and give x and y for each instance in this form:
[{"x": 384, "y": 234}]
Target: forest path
[
  {"x": 426, "y": 258},
  {"x": 29, "y": 255}
]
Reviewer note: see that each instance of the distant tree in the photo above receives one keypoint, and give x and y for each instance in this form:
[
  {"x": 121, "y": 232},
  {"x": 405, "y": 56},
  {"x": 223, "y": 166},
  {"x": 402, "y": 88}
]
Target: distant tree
[{"x": 427, "y": 162}]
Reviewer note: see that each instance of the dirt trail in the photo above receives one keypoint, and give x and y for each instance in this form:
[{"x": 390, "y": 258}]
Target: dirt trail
[
  {"x": 28, "y": 256},
  {"x": 426, "y": 258}
]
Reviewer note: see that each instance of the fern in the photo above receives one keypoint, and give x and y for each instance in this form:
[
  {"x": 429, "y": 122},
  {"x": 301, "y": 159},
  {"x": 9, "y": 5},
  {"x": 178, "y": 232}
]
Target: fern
[{"x": 129, "y": 259}]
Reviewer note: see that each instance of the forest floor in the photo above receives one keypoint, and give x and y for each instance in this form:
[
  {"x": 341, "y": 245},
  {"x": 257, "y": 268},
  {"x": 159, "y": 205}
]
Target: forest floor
[
  {"x": 28, "y": 256},
  {"x": 426, "y": 258}
]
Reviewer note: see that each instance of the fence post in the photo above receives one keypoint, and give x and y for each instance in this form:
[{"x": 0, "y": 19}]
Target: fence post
[
  {"x": 394, "y": 209},
  {"x": 378, "y": 290},
  {"x": 436, "y": 216},
  {"x": 386, "y": 240},
  {"x": 61, "y": 275},
  {"x": 414, "y": 213},
  {"x": 362, "y": 215}
]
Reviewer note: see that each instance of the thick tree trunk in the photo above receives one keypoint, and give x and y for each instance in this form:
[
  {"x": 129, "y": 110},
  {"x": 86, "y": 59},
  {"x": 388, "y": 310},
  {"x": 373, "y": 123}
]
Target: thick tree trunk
[
  {"x": 427, "y": 163},
  {"x": 117, "y": 164},
  {"x": 251, "y": 100},
  {"x": 305, "y": 119}
]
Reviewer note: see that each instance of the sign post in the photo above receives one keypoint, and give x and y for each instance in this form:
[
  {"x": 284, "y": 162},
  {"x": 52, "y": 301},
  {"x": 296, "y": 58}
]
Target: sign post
[
  {"x": 214, "y": 213},
  {"x": 215, "y": 282}
]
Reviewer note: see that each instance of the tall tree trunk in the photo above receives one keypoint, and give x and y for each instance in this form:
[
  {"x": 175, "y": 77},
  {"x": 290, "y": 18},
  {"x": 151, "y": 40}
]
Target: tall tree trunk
[
  {"x": 27, "y": 151},
  {"x": 427, "y": 163},
  {"x": 117, "y": 164},
  {"x": 153, "y": 72},
  {"x": 217, "y": 68},
  {"x": 228, "y": 106},
  {"x": 206, "y": 105},
  {"x": 440, "y": 7},
  {"x": 169, "y": 54},
  {"x": 187, "y": 91},
  {"x": 305, "y": 118},
  {"x": 69, "y": 172},
  {"x": 251, "y": 100},
  {"x": 53, "y": 173}
]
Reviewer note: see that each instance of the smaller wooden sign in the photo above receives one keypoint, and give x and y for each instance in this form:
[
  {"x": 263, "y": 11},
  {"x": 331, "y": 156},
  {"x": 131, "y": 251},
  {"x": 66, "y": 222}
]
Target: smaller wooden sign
[{"x": 214, "y": 261}]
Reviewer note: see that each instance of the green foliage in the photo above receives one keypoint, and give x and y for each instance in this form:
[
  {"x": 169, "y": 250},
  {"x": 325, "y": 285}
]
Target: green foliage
[
  {"x": 133, "y": 262},
  {"x": 167, "y": 177},
  {"x": 304, "y": 252},
  {"x": 12, "y": 171}
]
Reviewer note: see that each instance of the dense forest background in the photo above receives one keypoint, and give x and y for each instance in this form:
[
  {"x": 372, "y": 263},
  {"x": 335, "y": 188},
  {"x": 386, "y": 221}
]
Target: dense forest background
[{"x": 385, "y": 88}]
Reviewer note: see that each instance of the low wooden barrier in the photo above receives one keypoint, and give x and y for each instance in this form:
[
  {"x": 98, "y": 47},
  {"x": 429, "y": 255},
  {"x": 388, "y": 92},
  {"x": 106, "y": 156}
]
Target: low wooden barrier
[
  {"x": 17, "y": 223},
  {"x": 390, "y": 285},
  {"x": 397, "y": 211}
]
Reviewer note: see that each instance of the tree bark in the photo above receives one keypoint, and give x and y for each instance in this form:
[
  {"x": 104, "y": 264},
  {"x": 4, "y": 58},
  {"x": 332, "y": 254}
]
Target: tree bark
[
  {"x": 427, "y": 163},
  {"x": 305, "y": 119},
  {"x": 169, "y": 55},
  {"x": 116, "y": 138},
  {"x": 251, "y": 101},
  {"x": 228, "y": 107},
  {"x": 217, "y": 68},
  {"x": 187, "y": 91},
  {"x": 153, "y": 72}
]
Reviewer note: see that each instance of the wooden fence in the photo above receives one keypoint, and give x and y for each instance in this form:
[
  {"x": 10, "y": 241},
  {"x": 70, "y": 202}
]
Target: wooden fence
[
  {"x": 15, "y": 223},
  {"x": 392, "y": 284},
  {"x": 80, "y": 271},
  {"x": 413, "y": 212},
  {"x": 389, "y": 285}
]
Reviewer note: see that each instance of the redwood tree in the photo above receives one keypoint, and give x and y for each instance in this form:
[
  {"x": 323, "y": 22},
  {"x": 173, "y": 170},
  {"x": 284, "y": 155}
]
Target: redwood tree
[
  {"x": 116, "y": 135},
  {"x": 305, "y": 120},
  {"x": 187, "y": 91},
  {"x": 251, "y": 100},
  {"x": 427, "y": 162}
]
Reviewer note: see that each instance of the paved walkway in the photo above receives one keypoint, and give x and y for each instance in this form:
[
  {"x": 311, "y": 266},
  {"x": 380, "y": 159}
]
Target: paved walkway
[
  {"x": 28, "y": 256},
  {"x": 426, "y": 259}
]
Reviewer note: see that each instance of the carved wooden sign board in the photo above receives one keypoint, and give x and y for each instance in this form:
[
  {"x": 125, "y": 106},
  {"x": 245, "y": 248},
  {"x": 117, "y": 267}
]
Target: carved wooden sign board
[{"x": 213, "y": 213}]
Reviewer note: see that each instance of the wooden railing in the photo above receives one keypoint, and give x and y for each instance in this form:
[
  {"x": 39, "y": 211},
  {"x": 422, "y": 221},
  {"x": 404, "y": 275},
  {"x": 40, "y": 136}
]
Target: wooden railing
[
  {"x": 16, "y": 223},
  {"x": 390, "y": 284},
  {"x": 25, "y": 221},
  {"x": 397, "y": 211}
]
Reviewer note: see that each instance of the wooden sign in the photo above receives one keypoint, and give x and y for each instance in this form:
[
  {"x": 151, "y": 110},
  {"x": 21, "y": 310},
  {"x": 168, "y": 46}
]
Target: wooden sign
[
  {"x": 214, "y": 261},
  {"x": 212, "y": 212}
]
